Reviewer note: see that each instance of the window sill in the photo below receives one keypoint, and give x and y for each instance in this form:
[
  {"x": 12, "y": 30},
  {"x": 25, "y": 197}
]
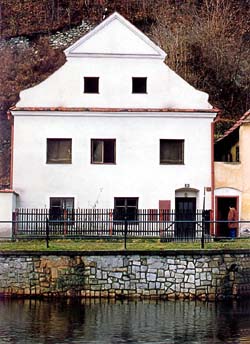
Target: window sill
[
  {"x": 103, "y": 163},
  {"x": 172, "y": 163},
  {"x": 231, "y": 162},
  {"x": 58, "y": 163}
]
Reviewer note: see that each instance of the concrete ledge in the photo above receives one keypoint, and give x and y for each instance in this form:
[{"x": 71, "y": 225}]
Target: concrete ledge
[{"x": 125, "y": 252}]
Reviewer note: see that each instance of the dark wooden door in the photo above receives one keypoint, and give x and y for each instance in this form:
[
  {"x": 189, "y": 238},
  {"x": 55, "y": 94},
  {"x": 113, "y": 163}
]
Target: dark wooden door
[{"x": 185, "y": 209}]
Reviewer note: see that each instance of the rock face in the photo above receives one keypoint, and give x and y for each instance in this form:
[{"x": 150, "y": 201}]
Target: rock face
[{"x": 165, "y": 276}]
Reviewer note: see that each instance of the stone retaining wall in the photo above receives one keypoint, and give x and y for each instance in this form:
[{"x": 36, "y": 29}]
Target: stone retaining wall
[{"x": 166, "y": 275}]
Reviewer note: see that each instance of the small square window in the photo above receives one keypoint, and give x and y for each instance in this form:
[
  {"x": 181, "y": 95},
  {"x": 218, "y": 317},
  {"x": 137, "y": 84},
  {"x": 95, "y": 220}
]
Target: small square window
[
  {"x": 61, "y": 208},
  {"x": 59, "y": 151},
  {"x": 91, "y": 85},
  {"x": 125, "y": 207},
  {"x": 172, "y": 152},
  {"x": 139, "y": 85},
  {"x": 103, "y": 151}
]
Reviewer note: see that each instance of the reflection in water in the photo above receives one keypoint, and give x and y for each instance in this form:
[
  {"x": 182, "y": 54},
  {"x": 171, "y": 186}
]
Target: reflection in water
[{"x": 94, "y": 321}]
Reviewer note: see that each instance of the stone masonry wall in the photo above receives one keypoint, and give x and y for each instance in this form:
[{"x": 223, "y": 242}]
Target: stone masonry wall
[{"x": 126, "y": 275}]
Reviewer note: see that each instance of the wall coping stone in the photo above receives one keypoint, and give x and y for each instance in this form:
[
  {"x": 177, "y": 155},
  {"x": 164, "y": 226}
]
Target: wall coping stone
[{"x": 125, "y": 252}]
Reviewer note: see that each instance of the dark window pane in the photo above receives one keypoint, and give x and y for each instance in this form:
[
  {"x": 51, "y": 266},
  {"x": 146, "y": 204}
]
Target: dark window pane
[
  {"x": 139, "y": 85},
  {"x": 91, "y": 85},
  {"x": 132, "y": 202},
  {"x": 132, "y": 214},
  {"x": 109, "y": 151},
  {"x": 120, "y": 202},
  {"x": 59, "y": 151},
  {"x": 97, "y": 151},
  {"x": 172, "y": 151},
  {"x": 103, "y": 151},
  {"x": 58, "y": 206},
  {"x": 125, "y": 207}
]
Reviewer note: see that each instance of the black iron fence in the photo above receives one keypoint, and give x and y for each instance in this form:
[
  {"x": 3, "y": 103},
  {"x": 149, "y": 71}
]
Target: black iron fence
[{"x": 80, "y": 223}]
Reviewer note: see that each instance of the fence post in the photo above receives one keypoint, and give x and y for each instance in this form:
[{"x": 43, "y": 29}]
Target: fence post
[
  {"x": 203, "y": 229},
  {"x": 125, "y": 231},
  {"x": 65, "y": 225},
  {"x": 110, "y": 223},
  {"x": 14, "y": 224},
  {"x": 47, "y": 232}
]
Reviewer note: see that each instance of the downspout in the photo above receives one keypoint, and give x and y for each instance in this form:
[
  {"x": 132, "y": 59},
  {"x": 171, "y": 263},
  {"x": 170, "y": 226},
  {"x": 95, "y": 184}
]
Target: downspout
[
  {"x": 212, "y": 217},
  {"x": 11, "y": 119},
  {"x": 212, "y": 225}
]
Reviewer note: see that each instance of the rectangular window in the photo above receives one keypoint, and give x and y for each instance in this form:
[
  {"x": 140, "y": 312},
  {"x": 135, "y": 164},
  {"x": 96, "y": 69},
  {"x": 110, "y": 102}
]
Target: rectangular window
[
  {"x": 91, "y": 85},
  {"x": 171, "y": 151},
  {"x": 61, "y": 208},
  {"x": 103, "y": 151},
  {"x": 126, "y": 207},
  {"x": 139, "y": 85},
  {"x": 59, "y": 151}
]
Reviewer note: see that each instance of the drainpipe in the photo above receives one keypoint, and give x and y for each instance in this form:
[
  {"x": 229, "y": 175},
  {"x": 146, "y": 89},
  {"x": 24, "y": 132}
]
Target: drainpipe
[
  {"x": 212, "y": 217},
  {"x": 212, "y": 225},
  {"x": 11, "y": 119}
]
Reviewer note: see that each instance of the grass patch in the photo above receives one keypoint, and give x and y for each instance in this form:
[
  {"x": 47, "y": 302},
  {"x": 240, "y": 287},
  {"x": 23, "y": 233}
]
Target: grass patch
[{"x": 116, "y": 245}]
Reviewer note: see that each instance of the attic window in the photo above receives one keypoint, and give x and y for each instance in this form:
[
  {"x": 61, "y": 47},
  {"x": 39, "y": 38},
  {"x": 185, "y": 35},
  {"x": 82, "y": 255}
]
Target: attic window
[
  {"x": 91, "y": 85},
  {"x": 139, "y": 85}
]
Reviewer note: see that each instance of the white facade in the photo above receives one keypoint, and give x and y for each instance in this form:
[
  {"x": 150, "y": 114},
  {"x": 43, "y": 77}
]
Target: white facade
[{"x": 114, "y": 52}]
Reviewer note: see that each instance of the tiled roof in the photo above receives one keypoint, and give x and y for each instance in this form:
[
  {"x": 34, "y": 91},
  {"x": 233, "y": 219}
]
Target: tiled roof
[
  {"x": 86, "y": 109},
  {"x": 235, "y": 126}
]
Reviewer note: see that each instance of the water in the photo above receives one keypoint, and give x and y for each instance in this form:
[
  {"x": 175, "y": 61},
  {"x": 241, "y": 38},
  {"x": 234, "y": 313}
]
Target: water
[{"x": 115, "y": 322}]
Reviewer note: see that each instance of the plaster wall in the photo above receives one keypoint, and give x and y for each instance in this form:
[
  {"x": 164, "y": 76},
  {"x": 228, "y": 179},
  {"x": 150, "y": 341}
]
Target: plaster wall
[
  {"x": 233, "y": 175},
  {"x": 228, "y": 174},
  {"x": 65, "y": 88},
  {"x": 137, "y": 172}
]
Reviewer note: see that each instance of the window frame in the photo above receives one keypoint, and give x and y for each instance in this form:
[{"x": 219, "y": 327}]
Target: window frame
[
  {"x": 92, "y": 141},
  {"x": 88, "y": 78},
  {"x": 60, "y": 162},
  {"x": 120, "y": 216},
  {"x": 60, "y": 215},
  {"x": 134, "y": 78},
  {"x": 173, "y": 162}
]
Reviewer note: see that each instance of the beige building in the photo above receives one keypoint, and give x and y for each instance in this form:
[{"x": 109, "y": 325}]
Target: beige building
[{"x": 232, "y": 175}]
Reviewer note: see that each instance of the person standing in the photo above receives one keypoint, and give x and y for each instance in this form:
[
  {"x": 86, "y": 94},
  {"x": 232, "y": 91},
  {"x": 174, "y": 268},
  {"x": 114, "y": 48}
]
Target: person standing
[{"x": 232, "y": 225}]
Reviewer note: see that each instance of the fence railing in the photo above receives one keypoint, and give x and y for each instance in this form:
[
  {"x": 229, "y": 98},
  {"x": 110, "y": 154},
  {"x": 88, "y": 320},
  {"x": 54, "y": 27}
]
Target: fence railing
[{"x": 77, "y": 223}]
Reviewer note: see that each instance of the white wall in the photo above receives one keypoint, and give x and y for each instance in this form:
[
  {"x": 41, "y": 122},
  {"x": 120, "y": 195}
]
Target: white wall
[
  {"x": 7, "y": 206},
  {"x": 65, "y": 87},
  {"x": 114, "y": 51},
  {"x": 137, "y": 172}
]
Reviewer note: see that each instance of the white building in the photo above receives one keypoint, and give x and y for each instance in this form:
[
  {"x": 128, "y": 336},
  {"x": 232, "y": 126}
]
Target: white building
[{"x": 113, "y": 126}]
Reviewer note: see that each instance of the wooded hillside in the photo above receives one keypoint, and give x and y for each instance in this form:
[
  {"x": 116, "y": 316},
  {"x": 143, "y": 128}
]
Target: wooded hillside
[{"x": 207, "y": 42}]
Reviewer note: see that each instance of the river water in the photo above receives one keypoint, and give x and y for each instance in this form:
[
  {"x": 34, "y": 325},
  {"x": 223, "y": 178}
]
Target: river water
[{"x": 114, "y": 322}]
